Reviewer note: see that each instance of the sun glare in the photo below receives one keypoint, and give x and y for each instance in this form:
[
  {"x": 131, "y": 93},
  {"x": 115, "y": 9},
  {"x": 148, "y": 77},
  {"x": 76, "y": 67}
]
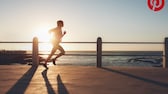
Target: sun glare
[{"x": 42, "y": 34}]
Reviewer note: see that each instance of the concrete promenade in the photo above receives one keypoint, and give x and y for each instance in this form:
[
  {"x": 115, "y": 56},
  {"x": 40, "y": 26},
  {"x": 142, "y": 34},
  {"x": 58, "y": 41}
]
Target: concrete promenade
[{"x": 24, "y": 79}]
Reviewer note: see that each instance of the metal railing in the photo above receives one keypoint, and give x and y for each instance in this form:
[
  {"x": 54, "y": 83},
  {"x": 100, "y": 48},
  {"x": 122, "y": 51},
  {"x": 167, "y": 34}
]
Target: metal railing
[{"x": 35, "y": 49}]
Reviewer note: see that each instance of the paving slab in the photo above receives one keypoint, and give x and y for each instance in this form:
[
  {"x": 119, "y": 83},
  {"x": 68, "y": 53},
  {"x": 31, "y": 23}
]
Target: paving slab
[{"x": 22, "y": 79}]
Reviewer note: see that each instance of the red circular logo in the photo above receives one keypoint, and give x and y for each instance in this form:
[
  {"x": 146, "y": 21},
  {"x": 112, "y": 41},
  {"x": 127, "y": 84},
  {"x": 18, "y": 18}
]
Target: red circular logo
[{"x": 156, "y": 5}]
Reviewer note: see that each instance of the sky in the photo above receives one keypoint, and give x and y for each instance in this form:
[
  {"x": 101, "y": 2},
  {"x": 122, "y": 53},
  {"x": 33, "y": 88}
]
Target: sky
[{"x": 84, "y": 20}]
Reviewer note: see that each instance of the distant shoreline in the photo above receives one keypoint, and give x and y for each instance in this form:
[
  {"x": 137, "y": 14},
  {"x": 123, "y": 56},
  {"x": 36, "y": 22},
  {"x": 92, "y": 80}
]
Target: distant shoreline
[{"x": 25, "y": 52}]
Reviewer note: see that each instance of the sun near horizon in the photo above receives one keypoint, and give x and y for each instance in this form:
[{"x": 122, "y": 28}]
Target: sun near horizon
[
  {"x": 43, "y": 36},
  {"x": 41, "y": 32}
]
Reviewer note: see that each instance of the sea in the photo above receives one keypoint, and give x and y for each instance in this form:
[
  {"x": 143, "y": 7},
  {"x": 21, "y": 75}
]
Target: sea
[
  {"x": 88, "y": 58},
  {"x": 110, "y": 58}
]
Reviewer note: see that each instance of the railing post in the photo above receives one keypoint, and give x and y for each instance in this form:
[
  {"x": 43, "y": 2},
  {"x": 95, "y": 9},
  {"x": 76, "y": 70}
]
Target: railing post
[
  {"x": 99, "y": 52},
  {"x": 35, "y": 57},
  {"x": 165, "y": 59}
]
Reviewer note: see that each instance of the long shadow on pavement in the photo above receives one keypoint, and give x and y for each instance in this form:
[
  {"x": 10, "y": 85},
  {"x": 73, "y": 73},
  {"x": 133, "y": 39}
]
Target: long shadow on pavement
[
  {"x": 22, "y": 84},
  {"x": 162, "y": 84},
  {"x": 61, "y": 87},
  {"x": 50, "y": 90}
]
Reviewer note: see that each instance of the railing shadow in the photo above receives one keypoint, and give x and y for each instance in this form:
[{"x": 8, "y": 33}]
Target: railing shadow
[
  {"x": 22, "y": 84},
  {"x": 50, "y": 90},
  {"x": 61, "y": 87},
  {"x": 162, "y": 84}
]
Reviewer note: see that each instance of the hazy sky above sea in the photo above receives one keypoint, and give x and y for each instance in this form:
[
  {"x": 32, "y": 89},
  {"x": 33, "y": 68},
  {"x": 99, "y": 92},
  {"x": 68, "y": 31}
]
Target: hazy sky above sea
[{"x": 85, "y": 20}]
